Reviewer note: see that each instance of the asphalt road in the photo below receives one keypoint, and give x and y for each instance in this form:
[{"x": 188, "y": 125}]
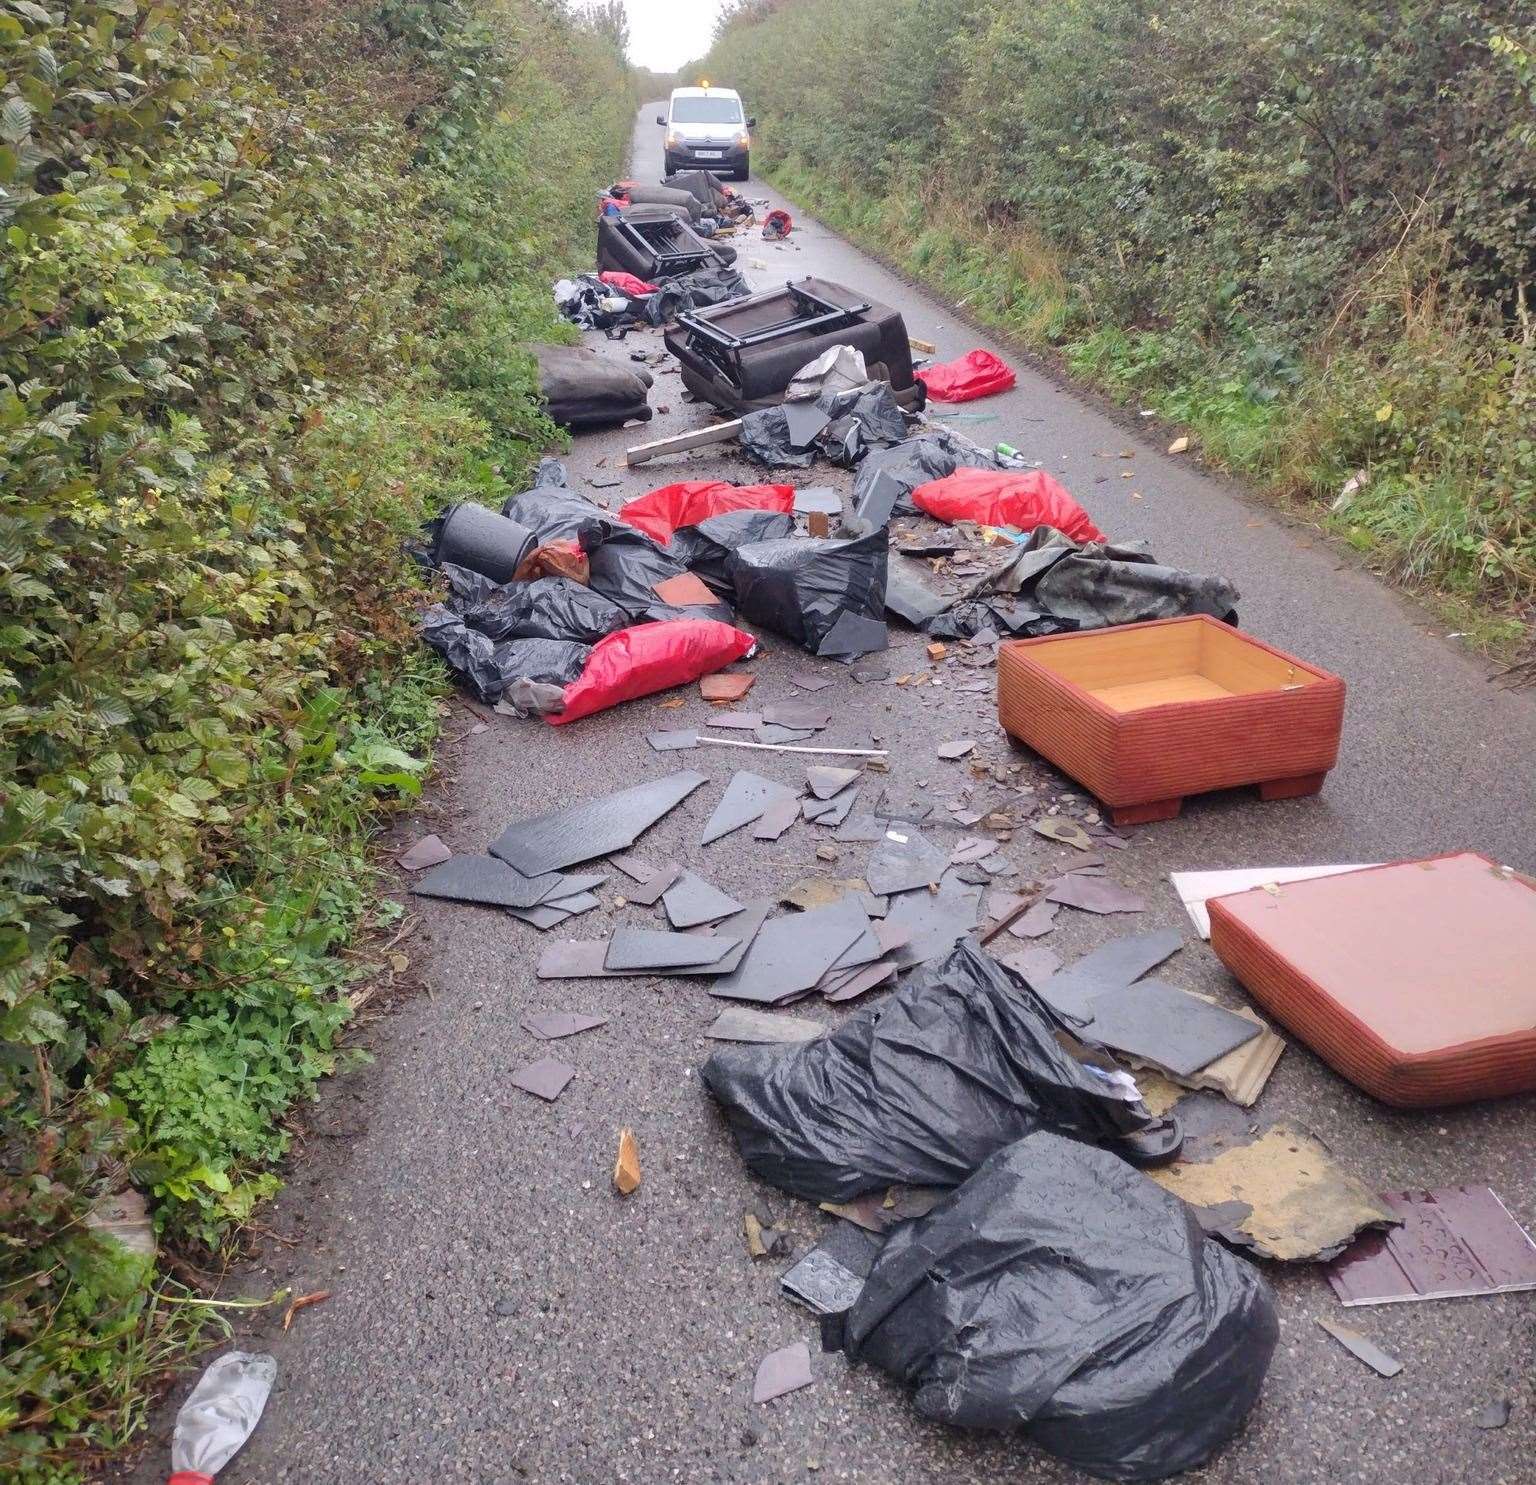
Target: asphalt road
[{"x": 499, "y": 1314}]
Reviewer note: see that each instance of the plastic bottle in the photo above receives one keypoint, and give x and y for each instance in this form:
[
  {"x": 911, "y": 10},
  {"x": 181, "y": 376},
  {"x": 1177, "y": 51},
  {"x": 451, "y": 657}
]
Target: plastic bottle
[{"x": 217, "y": 1419}]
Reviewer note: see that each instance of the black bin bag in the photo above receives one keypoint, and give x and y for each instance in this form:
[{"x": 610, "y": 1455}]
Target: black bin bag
[
  {"x": 1061, "y": 1293},
  {"x": 705, "y": 549},
  {"x": 490, "y": 668},
  {"x": 814, "y": 591},
  {"x": 624, "y": 567},
  {"x": 918, "y": 1090},
  {"x": 547, "y": 608}
]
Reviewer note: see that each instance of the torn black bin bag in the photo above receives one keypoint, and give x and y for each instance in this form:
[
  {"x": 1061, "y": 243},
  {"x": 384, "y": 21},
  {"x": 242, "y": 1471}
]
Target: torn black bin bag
[
  {"x": 580, "y": 389},
  {"x": 1095, "y": 584},
  {"x": 968, "y": 617},
  {"x": 920, "y": 1089},
  {"x": 625, "y": 565},
  {"x": 547, "y": 608},
  {"x": 1062, "y": 1294},
  {"x": 874, "y": 408},
  {"x": 801, "y": 587},
  {"x": 705, "y": 549},
  {"x": 766, "y": 435},
  {"x": 487, "y": 667}
]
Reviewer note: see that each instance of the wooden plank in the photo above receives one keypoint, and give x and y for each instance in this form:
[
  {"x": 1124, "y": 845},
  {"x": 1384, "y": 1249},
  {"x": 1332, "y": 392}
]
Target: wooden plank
[
  {"x": 927, "y": 347},
  {"x": 680, "y": 443}
]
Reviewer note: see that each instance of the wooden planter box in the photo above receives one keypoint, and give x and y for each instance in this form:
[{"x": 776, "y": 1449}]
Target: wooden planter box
[
  {"x": 1145, "y": 714},
  {"x": 1416, "y": 981}
]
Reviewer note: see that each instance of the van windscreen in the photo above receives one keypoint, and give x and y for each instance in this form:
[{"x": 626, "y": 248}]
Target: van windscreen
[{"x": 706, "y": 111}]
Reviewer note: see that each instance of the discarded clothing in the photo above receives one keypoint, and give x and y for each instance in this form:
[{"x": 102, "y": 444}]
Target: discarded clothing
[
  {"x": 628, "y": 284},
  {"x": 777, "y": 225},
  {"x": 654, "y": 657},
  {"x": 975, "y": 374},
  {"x": 1061, "y": 1293},
  {"x": 696, "y": 290},
  {"x": 804, "y": 588},
  {"x": 920, "y": 1089},
  {"x": 548, "y": 608},
  {"x": 582, "y": 390},
  {"x": 660, "y": 513},
  {"x": 593, "y": 304},
  {"x": 1023, "y": 499},
  {"x": 489, "y": 668},
  {"x": 705, "y": 549}
]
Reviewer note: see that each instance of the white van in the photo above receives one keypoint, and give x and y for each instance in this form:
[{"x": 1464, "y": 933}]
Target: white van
[{"x": 707, "y": 128}]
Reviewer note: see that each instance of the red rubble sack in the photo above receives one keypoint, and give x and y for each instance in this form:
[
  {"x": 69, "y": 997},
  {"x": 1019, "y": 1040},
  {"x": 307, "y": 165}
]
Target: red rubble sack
[
  {"x": 975, "y": 374},
  {"x": 992, "y": 497},
  {"x": 627, "y": 283},
  {"x": 636, "y": 662},
  {"x": 664, "y": 511}
]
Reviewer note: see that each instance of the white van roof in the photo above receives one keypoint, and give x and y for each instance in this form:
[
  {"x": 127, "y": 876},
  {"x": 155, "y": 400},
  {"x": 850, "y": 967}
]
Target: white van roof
[{"x": 705, "y": 92}]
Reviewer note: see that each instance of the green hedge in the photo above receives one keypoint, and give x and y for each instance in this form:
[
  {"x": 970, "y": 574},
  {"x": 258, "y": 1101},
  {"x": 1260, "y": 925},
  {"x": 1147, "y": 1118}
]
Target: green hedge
[
  {"x": 1305, "y": 228},
  {"x": 265, "y": 297}
]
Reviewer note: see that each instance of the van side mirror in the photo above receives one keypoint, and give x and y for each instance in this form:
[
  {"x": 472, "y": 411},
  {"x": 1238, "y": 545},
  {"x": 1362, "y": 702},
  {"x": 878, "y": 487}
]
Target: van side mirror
[
  {"x": 751, "y": 123},
  {"x": 661, "y": 119}
]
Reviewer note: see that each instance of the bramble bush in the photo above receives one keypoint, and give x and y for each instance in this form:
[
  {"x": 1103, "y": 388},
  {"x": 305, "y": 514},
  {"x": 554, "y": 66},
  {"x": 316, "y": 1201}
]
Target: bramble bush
[
  {"x": 1304, "y": 228},
  {"x": 266, "y": 288}
]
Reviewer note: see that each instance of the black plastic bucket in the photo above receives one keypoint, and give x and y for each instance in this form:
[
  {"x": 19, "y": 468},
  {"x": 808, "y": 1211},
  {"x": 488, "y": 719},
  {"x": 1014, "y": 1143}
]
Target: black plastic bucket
[{"x": 472, "y": 536}]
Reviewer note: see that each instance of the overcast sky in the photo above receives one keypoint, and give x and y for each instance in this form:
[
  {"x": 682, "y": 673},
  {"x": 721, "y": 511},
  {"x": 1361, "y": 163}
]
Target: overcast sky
[{"x": 663, "y": 34}]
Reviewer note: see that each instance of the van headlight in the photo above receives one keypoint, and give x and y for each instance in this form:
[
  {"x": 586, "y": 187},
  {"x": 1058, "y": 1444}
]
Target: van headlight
[
  {"x": 672, "y": 141},
  {"x": 743, "y": 140}
]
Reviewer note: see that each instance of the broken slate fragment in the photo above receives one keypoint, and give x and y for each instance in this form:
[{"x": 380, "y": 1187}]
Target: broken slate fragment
[
  {"x": 428, "y": 851},
  {"x": 903, "y": 862},
  {"x": 595, "y": 827},
  {"x": 484, "y": 880},
  {"x": 650, "y": 948},
  {"x": 865, "y": 828},
  {"x": 828, "y": 1279},
  {"x": 1059, "y": 828},
  {"x": 777, "y": 818},
  {"x": 545, "y": 1078},
  {"x": 798, "y": 714},
  {"x": 738, "y": 721},
  {"x": 672, "y": 742},
  {"x": 1362, "y": 1348},
  {"x": 690, "y": 900},
  {"x": 650, "y": 891},
  {"x": 783, "y": 1372},
  {"x": 1036, "y": 922},
  {"x": 1495, "y": 1415},
  {"x": 1037, "y": 965},
  {"x": 779, "y": 737},
  {"x": 1094, "y": 895},
  {"x": 962, "y": 746},
  {"x": 1171, "y": 1029},
  {"x": 790, "y": 955},
  {"x": 1112, "y": 966},
  {"x": 825, "y": 782},
  {"x": 746, "y": 797},
  {"x": 832, "y": 811},
  {"x": 741, "y": 1025},
  {"x": 856, "y": 982},
  {"x": 808, "y": 681},
  {"x": 550, "y": 1026}
]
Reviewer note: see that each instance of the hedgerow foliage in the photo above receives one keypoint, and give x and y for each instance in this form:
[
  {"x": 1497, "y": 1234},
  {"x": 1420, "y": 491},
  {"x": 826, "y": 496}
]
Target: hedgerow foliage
[
  {"x": 1304, "y": 227},
  {"x": 265, "y": 293}
]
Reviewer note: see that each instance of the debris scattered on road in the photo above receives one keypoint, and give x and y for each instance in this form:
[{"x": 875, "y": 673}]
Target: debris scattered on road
[
  {"x": 740, "y": 1025},
  {"x": 428, "y": 851},
  {"x": 1362, "y": 1348},
  {"x": 545, "y": 1078},
  {"x": 626, "y": 1169},
  {"x": 782, "y": 1372},
  {"x": 550, "y": 1026}
]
